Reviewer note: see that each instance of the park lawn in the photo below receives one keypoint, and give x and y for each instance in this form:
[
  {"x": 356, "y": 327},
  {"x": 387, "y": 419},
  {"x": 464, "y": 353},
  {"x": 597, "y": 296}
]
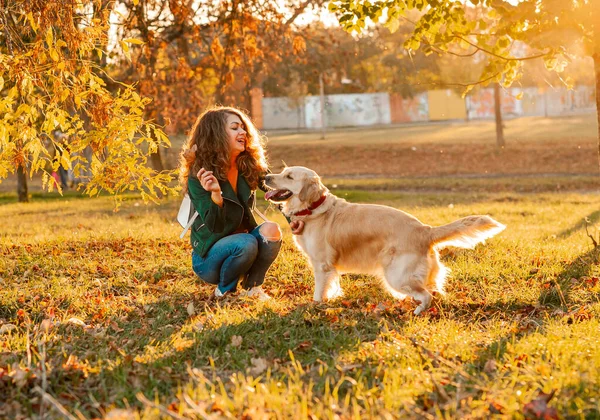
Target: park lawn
[
  {"x": 541, "y": 154},
  {"x": 99, "y": 309},
  {"x": 556, "y": 146}
]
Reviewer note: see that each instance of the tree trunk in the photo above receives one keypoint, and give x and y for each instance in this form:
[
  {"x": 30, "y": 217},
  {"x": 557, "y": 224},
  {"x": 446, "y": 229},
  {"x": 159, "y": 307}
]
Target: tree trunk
[
  {"x": 22, "y": 185},
  {"x": 156, "y": 160},
  {"x": 597, "y": 67},
  {"x": 498, "y": 110}
]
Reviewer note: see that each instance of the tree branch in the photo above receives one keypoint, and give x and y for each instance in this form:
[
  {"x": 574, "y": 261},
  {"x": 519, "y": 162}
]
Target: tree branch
[{"x": 533, "y": 57}]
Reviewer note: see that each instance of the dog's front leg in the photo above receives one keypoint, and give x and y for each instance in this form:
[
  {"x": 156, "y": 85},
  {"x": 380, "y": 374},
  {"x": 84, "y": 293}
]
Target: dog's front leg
[{"x": 325, "y": 278}]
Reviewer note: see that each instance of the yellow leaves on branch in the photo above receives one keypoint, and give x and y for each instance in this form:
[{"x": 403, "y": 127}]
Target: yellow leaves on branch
[
  {"x": 52, "y": 83},
  {"x": 125, "y": 46}
]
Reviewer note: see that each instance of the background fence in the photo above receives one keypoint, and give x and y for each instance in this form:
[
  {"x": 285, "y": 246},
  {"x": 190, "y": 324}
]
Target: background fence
[{"x": 363, "y": 109}]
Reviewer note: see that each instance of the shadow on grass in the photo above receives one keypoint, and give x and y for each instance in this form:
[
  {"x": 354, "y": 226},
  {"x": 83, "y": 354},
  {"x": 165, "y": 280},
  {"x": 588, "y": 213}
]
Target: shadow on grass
[
  {"x": 149, "y": 347},
  {"x": 566, "y": 290},
  {"x": 593, "y": 218},
  {"x": 11, "y": 198}
]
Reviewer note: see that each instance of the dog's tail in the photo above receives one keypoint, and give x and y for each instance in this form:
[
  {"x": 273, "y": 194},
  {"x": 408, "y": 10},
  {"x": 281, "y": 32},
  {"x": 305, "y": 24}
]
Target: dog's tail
[{"x": 466, "y": 232}]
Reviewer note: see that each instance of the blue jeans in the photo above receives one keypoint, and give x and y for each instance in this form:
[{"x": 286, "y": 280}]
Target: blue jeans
[{"x": 241, "y": 254}]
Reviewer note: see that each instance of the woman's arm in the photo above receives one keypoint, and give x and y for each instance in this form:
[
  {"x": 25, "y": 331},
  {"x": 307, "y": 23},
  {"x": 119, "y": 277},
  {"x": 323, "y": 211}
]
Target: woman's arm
[{"x": 211, "y": 214}]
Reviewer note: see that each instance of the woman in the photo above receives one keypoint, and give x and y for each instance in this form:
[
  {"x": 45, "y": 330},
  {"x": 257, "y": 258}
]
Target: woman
[{"x": 221, "y": 166}]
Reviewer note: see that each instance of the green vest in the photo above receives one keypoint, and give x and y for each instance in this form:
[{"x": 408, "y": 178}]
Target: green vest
[{"x": 214, "y": 222}]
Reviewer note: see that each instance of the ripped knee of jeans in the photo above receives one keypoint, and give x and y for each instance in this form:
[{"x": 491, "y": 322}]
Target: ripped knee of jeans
[{"x": 270, "y": 232}]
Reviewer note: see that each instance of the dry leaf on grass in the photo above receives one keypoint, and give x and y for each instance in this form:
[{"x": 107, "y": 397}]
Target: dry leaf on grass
[
  {"x": 490, "y": 366},
  {"x": 259, "y": 365},
  {"x": 46, "y": 325},
  {"x": 190, "y": 309},
  {"x": 236, "y": 341},
  {"x": 19, "y": 376},
  {"x": 538, "y": 408},
  {"x": 76, "y": 321},
  {"x": 120, "y": 414},
  {"x": 7, "y": 328}
]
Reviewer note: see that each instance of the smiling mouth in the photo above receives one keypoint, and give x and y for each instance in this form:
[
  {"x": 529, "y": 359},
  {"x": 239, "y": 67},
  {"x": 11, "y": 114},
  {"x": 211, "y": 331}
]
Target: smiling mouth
[{"x": 278, "y": 195}]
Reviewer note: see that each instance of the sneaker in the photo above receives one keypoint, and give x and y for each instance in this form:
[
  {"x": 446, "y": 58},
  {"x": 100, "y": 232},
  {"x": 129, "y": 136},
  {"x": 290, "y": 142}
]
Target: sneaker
[
  {"x": 256, "y": 292},
  {"x": 218, "y": 293}
]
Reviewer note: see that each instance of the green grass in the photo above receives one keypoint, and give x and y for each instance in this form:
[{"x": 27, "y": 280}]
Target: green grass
[
  {"x": 520, "y": 315},
  {"x": 497, "y": 184}
]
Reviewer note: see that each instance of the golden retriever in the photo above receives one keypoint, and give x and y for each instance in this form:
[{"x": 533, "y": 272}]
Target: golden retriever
[{"x": 341, "y": 237}]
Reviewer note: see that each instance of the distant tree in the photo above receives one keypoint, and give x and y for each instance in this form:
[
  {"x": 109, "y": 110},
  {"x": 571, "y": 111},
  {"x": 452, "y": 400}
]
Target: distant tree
[
  {"x": 54, "y": 79},
  {"x": 556, "y": 30},
  {"x": 196, "y": 53}
]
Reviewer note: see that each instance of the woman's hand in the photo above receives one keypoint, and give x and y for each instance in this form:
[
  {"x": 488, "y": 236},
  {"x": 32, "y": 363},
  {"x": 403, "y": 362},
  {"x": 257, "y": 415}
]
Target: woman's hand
[
  {"x": 208, "y": 181},
  {"x": 297, "y": 227}
]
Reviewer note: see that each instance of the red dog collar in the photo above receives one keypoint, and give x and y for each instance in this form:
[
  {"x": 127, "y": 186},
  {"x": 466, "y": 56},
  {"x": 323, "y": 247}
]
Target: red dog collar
[{"x": 310, "y": 208}]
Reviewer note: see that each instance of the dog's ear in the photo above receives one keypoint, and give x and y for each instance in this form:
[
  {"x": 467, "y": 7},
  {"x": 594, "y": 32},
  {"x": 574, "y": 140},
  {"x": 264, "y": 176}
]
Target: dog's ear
[{"x": 311, "y": 191}]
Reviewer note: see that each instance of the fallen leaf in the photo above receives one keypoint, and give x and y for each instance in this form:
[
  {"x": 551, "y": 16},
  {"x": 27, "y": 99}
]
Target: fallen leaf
[
  {"x": 76, "y": 321},
  {"x": 120, "y": 414},
  {"x": 46, "y": 325},
  {"x": 115, "y": 327},
  {"x": 538, "y": 408},
  {"x": 19, "y": 377},
  {"x": 490, "y": 366},
  {"x": 190, "y": 309},
  {"x": 259, "y": 365},
  {"x": 254, "y": 413},
  {"x": 236, "y": 341},
  {"x": 305, "y": 345},
  {"x": 496, "y": 408},
  {"x": 7, "y": 328}
]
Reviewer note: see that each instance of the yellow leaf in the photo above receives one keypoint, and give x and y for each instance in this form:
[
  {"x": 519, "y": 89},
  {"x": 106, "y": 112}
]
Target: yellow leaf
[
  {"x": 49, "y": 37},
  {"x": 299, "y": 45},
  {"x": 1, "y": 83},
  {"x": 519, "y": 96},
  {"x": 135, "y": 2},
  {"x": 134, "y": 41},
  {"x": 54, "y": 54},
  {"x": 32, "y": 22},
  {"x": 124, "y": 46},
  {"x": 216, "y": 47}
]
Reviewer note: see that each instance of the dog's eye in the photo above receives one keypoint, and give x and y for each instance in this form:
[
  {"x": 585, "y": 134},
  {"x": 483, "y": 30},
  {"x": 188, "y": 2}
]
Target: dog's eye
[{"x": 289, "y": 176}]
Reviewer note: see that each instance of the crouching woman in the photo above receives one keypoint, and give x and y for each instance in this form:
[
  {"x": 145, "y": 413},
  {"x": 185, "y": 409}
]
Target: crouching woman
[{"x": 221, "y": 167}]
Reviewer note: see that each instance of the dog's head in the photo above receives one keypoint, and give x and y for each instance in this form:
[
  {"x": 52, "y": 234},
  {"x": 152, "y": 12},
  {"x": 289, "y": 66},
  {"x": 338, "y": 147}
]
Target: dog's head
[{"x": 296, "y": 187}]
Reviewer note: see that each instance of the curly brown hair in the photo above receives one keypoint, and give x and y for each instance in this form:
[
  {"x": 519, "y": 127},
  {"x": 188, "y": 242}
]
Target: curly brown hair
[{"x": 207, "y": 147}]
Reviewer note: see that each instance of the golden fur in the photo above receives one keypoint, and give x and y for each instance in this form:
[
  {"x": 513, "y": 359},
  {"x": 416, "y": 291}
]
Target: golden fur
[{"x": 341, "y": 237}]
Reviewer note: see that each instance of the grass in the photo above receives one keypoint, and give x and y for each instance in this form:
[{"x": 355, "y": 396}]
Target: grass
[
  {"x": 100, "y": 310},
  {"x": 572, "y": 129}
]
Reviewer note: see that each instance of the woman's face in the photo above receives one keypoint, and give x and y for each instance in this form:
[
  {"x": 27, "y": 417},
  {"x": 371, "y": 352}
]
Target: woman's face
[{"x": 236, "y": 135}]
